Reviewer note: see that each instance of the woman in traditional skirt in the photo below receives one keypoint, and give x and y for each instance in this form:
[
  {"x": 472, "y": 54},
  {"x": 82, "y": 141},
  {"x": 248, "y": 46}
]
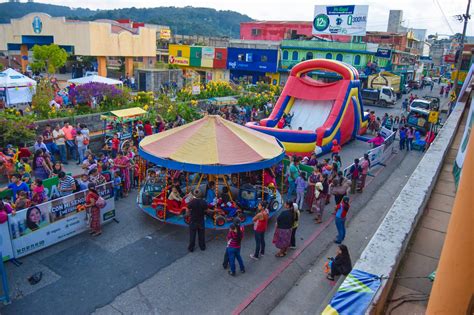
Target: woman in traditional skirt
[
  {"x": 312, "y": 180},
  {"x": 91, "y": 198},
  {"x": 282, "y": 236}
]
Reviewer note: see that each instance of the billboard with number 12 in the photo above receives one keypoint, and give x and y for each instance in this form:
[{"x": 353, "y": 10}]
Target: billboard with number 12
[{"x": 340, "y": 20}]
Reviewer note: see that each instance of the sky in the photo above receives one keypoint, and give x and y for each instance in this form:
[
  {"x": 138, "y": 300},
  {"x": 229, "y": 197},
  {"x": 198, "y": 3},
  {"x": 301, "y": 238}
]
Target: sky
[{"x": 416, "y": 13}]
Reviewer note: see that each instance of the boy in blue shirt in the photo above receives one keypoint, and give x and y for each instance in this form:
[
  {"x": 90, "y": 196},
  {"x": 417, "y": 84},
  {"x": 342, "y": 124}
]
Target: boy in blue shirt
[
  {"x": 403, "y": 137},
  {"x": 117, "y": 183}
]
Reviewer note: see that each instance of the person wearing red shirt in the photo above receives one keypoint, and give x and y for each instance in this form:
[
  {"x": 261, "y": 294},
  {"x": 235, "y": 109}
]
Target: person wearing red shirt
[
  {"x": 260, "y": 221},
  {"x": 148, "y": 128},
  {"x": 336, "y": 148},
  {"x": 115, "y": 145},
  {"x": 24, "y": 152}
]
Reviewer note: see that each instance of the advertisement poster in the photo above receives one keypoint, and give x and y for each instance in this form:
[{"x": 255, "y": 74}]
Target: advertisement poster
[
  {"x": 46, "y": 224},
  {"x": 458, "y": 163},
  {"x": 340, "y": 20}
]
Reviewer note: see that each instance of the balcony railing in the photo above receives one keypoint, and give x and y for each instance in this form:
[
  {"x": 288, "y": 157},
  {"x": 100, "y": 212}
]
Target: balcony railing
[{"x": 312, "y": 44}]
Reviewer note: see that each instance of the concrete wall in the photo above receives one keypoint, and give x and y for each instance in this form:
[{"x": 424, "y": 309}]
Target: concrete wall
[{"x": 386, "y": 248}]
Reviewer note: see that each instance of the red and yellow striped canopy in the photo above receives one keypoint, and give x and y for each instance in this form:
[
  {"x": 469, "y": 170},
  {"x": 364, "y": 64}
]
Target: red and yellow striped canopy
[{"x": 212, "y": 141}]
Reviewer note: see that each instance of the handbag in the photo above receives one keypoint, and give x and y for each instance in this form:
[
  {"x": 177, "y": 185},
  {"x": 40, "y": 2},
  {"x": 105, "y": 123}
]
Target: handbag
[{"x": 101, "y": 203}]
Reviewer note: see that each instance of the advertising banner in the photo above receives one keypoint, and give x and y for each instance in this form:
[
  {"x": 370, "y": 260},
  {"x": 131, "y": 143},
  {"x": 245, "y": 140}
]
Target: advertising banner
[
  {"x": 46, "y": 224},
  {"x": 207, "y": 52},
  {"x": 340, "y": 20},
  {"x": 384, "y": 53},
  {"x": 179, "y": 61},
  {"x": 355, "y": 294},
  {"x": 458, "y": 163},
  {"x": 165, "y": 34}
]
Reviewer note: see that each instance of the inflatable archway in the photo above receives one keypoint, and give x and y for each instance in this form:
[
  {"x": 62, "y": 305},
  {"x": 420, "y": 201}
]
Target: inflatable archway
[{"x": 324, "y": 111}]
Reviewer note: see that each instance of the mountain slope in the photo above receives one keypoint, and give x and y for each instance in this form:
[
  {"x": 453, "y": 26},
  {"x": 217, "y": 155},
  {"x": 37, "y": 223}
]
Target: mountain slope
[{"x": 186, "y": 21}]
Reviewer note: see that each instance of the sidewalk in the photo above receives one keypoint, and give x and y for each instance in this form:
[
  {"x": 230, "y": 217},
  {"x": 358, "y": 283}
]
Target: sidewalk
[
  {"x": 411, "y": 291},
  {"x": 313, "y": 291}
]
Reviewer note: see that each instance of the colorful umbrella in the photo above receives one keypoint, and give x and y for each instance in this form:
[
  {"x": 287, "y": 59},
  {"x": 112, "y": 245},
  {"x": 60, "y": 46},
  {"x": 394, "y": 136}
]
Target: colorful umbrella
[{"x": 212, "y": 145}]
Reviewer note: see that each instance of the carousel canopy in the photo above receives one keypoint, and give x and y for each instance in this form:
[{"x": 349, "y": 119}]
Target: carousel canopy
[{"x": 212, "y": 145}]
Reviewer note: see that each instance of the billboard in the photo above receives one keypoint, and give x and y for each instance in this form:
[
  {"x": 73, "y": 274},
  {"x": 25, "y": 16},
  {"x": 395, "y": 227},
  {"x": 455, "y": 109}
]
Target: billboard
[
  {"x": 51, "y": 222},
  {"x": 384, "y": 53},
  {"x": 340, "y": 20}
]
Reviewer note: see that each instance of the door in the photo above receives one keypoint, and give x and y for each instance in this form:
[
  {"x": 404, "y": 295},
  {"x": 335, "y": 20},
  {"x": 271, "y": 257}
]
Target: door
[{"x": 142, "y": 81}]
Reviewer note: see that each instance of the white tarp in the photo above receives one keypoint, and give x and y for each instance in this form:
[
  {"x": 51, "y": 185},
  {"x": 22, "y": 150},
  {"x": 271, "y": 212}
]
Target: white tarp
[
  {"x": 19, "y": 88},
  {"x": 308, "y": 114},
  {"x": 95, "y": 79}
]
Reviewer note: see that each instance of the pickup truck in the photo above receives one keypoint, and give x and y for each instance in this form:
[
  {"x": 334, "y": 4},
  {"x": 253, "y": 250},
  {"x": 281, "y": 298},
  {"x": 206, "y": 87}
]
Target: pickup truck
[{"x": 385, "y": 96}]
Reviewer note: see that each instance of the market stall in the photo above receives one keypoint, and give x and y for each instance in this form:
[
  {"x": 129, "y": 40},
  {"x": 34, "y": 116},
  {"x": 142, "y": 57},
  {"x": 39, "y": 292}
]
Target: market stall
[
  {"x": 210, "y": 154},
  {"x": 15, "y": 88},
  {"x": 95, "y": 79}
]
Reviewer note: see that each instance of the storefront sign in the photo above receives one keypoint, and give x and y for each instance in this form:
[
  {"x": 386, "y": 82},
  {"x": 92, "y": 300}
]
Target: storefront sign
[
  {"x": 37, "y": 25},
  {"x": 384, "y": 53},
  {"x": 179, "y": 61},
  {"x": 46, "y": 224},
  {"x": 165, "y": 34},
  {"x": 342, "y": 20}
]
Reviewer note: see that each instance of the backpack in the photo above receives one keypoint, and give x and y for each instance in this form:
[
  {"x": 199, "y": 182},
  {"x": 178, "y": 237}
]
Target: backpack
[{"x": 101, "y": 203}]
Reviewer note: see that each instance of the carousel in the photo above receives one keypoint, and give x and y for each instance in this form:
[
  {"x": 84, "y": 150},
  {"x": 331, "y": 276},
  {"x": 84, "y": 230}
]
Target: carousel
[{"x": 230, "y": 165}]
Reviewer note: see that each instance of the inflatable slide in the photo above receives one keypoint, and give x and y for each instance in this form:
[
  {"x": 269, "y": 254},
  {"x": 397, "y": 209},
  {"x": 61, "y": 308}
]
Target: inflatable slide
[{"x": 320, "y": 111}]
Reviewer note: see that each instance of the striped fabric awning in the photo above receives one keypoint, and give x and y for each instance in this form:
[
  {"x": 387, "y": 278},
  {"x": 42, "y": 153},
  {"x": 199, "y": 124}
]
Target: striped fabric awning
[{"x": 212, "y": 145}]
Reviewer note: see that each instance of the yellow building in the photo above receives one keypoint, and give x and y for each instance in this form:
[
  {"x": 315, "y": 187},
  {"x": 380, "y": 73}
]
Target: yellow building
[{"x": 101, "y": 38}]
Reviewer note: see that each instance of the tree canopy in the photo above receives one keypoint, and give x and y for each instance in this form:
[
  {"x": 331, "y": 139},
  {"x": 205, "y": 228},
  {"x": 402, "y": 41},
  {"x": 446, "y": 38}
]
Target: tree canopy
[{"x": 48, "y": 58}]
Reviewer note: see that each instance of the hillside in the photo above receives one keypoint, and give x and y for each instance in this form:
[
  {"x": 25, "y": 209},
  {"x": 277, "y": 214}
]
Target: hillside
[{"x": 186, "y": 21}]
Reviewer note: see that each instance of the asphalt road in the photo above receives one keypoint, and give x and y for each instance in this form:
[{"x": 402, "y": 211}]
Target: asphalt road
[{"x": 142, "y": 266}]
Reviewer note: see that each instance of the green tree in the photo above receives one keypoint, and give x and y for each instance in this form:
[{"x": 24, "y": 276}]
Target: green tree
[{"x": 48, "y": 58}]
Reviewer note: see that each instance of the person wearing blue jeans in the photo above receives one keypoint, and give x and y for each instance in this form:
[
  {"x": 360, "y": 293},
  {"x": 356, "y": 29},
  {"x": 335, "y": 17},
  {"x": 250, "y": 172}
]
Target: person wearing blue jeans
[
  {"x": 234, "y": 239},
  {"x": 341, "y": 212}
]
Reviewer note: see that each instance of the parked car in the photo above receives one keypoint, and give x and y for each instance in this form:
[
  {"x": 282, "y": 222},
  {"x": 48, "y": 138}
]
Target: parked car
[
  {"x": 428, "y": 103},
  {"x": 414, "y": 84}
]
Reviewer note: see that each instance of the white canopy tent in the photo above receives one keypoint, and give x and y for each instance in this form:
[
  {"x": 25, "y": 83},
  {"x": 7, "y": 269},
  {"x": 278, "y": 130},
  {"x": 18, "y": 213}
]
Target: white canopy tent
[
  {"x": 96, "y": 79},
  {"x": 16, "y": 88}
]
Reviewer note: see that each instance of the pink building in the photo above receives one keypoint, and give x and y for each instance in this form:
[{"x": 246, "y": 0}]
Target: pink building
[
  {"x": 274, "y": 30},
  {"x": 280, "y": 30}
]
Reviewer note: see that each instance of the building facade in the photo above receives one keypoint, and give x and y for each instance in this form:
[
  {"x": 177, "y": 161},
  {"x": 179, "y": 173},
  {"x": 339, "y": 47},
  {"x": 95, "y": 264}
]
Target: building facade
[
  {"x": 210, "y": 63},
  {"x": 101, "y": 39}
]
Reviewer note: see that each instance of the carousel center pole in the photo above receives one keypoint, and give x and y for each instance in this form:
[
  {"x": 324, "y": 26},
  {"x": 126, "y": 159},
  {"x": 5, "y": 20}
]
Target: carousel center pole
[
  {"x": 263, "y": 184},
  {"x": 217, "y": 194}
]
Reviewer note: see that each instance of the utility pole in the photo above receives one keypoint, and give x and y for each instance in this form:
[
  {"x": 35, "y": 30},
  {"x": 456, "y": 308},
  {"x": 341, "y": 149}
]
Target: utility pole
[{"x": 466, "y": 18}]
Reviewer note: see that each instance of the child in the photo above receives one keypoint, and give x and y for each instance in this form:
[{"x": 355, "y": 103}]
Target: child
[
  {"x": 22, "y": 201},
  {"x": 336, "y": 148},
  {"x": 403, "y": 137},
  {"x": 106, "y": 149},
  {"x": 115, "y": 145},
  {"x": 296, "y": 220},
  {"x": 83, "y": 182},
  {"x": 25, "y": 176},
  {"x": 39, "y": 194},
  {"x": 234, "y": 240},
  {"x": 117, "y": 183},
  {"x": 174, "y": 198},
  {"x": 301, "y": 185}
]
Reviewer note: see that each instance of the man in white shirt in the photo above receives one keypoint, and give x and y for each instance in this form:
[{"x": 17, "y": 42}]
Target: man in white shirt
[{"x": 60, "y": 140}]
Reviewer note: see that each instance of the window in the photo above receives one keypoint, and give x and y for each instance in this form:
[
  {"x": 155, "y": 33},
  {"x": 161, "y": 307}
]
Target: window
[
  {"x": 387, "y": 92},
  {"x": 294, "y": 55},
  {"x": 309, "y": 55},
  {"x": 249, "y": 57},
  {"x": 339, "y": 57},
  {"x": 198, "y": 55},
  {"x": 328, "y": 56},
  {"x": 285, "y": 54},
  {"x": 256, "y": 31},
  {"x": 241, "y": 57},
  {"x": 179, "y": 53},
  {"x": 263, "y": 58},
  {"x": 357, "y": 60},
  {"x": 218, "y": 55}
]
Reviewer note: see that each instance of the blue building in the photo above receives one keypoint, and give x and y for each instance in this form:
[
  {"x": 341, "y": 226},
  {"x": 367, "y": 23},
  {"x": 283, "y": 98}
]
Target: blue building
[{"x": 253, "y": 64}]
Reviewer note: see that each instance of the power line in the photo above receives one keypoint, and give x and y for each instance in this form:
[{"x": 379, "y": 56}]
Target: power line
[{"x": 444, "y": 16}]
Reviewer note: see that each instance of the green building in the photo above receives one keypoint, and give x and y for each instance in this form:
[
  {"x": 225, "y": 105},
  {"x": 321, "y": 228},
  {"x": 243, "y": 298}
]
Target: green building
[{"x": 355, "y": 54}]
